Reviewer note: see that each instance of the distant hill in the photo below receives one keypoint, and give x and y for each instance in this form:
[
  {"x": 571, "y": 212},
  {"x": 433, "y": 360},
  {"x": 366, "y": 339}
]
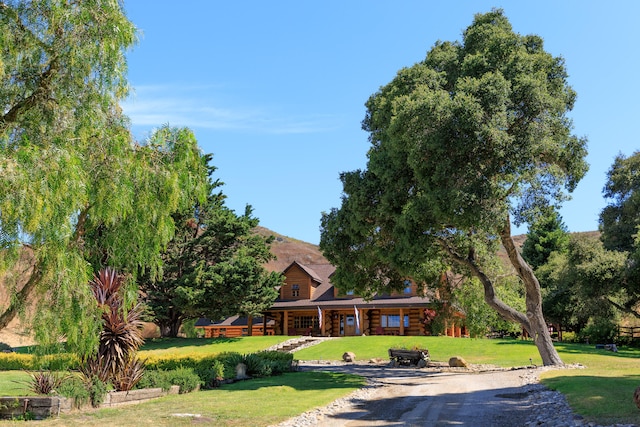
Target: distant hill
[{"x": 288, "y": 249}]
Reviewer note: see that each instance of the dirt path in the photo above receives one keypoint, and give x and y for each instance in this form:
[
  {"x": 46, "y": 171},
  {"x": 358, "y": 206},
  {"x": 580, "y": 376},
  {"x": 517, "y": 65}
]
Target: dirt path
[{"x": 429, "y": 397}]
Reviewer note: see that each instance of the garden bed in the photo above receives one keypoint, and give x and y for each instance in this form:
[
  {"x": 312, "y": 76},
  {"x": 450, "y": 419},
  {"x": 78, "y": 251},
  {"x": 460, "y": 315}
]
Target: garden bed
[{"x": 40, "y": 407}]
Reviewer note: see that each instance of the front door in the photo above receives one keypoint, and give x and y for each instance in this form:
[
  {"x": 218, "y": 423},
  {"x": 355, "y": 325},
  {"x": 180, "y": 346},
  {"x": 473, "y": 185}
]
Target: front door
[{"x": 348, "y": 324}]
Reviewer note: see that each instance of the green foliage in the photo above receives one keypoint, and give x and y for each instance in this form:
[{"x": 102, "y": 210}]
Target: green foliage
[
  {"x": 213, "y": 267},
  {"x": 599, "y": 331},
  {"x": 548, "y": 234},
  {"x": 480, "y": 319},
  {"x": 582, "y": 283},
  {"x": 188, "y": 327},
  {"x": 619, "y": 222},
  {"x": 213, "y": 369},
  {"x": 462, "y": 142},
  {"x": 108, "y": 199},
  {"x": 28, "y": 362},
  {"x": 75, "y": 388},
  {"x": 97, "y": 390},
  {"x": 186, "y": 378}
]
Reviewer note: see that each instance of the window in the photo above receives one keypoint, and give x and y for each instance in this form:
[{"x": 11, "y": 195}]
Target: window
[
  {"x": 393, "y": 320},
  {"x": 407, "y": 287},
  {"x": 304, "y": 322},
  {"x": 295, "y": 290},
  {"x": 350, "y": 292}
]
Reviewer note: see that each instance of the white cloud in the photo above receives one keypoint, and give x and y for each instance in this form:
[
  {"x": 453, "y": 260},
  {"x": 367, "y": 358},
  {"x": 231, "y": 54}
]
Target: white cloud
[{"x": 196, "y": 107}]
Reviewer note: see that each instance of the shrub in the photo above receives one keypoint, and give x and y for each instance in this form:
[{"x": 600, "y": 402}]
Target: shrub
[
  {"x": 154, "y": 379},
  {"x": 75, "y": 388},
  {"x": 257, "y": 366},
  {"x": 97, "y": 390},
  {"x": 16, "y": 362},
  {"x": 185, "y": 378},
  {"x": 46, "y": 382},
  {"x": 599, "y": 331},
  {"x": 280, "y": 362}
]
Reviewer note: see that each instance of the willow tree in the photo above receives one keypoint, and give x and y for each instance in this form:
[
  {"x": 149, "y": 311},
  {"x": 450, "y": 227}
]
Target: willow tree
[
  {"x": 464, "y": 143},
  {"x": 75, "y": 190}
]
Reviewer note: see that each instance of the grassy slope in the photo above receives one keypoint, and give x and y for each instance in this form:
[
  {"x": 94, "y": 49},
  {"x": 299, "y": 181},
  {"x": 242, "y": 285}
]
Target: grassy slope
[{"x": 602, "y": 392}]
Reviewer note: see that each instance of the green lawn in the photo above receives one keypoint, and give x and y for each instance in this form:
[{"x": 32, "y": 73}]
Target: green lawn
[
  {"x": 258, "y": 402},
  {"x": 13, "y": 383},
  {"x": 207, "y": 346},
  {"x": 601, "y": 392}
]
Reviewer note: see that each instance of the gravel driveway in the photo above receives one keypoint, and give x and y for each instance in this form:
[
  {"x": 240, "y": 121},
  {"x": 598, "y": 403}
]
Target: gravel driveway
[{"x": 440, "y": 396}]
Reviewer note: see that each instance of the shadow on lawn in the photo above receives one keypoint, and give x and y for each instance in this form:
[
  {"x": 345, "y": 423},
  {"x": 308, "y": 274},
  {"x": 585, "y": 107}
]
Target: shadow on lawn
[
  {"x": 300, "y": 381},
  {"x": 573, "y": 348},
  {"x": 166, "y": 343}
]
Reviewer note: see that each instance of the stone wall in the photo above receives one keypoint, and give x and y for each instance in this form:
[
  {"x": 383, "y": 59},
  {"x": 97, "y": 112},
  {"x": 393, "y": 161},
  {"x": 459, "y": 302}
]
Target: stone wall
[{"x": 40, "y": 407}]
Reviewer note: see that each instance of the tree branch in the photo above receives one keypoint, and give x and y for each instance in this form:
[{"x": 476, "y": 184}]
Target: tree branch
[
  {"x": 489, "y": 292},
  {"x": 623, "y": 308}
]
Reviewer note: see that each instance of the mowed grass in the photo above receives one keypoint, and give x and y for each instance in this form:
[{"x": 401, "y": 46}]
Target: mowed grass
[
  {"x": 182, "y": 347},
  {"x": 505, "y": 353},
  {"x": 15, "y": 383},
  {"x": 602, "y": 391},
  {"x": 258, "y": 402}
]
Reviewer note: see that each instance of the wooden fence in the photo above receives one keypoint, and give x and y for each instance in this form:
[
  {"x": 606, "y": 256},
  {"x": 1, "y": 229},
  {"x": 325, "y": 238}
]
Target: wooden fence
[{"x": 632, "y": 332}]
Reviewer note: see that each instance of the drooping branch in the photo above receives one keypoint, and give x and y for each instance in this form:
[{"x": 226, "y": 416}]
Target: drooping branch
[
  {"x": 21, "y": 297},
  {"x": 489, "y": 291},
  {"x": 41, "y": 93},
  {"x": 623, "y": 308}
]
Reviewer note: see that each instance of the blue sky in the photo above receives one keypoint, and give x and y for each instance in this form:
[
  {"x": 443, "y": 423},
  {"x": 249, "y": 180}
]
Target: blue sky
[{"x": 276, "y": 89}]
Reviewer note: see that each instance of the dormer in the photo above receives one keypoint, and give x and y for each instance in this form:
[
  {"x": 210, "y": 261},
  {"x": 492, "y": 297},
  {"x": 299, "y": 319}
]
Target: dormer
[{"x": 300, "y": 282}]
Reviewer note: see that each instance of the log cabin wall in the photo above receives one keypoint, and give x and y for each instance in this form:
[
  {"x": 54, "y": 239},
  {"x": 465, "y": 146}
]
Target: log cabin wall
[{"x": 296, "y": 276}]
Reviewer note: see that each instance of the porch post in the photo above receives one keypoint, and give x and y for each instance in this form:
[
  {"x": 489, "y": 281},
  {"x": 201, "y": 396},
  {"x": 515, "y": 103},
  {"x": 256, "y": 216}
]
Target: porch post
[
  {"x": 264, "y": 324},
  {"x": 285, "y": 326},
  {"x": 401, "y": 321}
]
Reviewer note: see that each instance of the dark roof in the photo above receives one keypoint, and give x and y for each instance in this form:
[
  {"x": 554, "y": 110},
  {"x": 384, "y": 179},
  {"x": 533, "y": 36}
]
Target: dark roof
[
  {"x": 338, "y": 303},
  {"x": 231, "y": 321},
  {"x": 307, "y": 269},
  {"x": 324, "y": 293}
]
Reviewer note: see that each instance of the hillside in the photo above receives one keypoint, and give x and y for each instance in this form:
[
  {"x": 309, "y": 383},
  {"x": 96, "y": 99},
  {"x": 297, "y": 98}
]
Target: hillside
[{"x": 288, "y": 249}]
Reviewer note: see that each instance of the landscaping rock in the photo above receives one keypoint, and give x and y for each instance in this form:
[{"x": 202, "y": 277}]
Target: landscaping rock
[
  {"x": 349, "y": 357},
  {"x": 636, "y": 397},
  {"x": 241, "y": 371},
  {"x": 458, "y": 362}
]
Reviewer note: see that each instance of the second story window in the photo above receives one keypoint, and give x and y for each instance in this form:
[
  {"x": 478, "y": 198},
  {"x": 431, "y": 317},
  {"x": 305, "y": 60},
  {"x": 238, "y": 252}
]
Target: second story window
[
  {"x": 295, "y": 290},
  {"x": 407, "y": 287}
]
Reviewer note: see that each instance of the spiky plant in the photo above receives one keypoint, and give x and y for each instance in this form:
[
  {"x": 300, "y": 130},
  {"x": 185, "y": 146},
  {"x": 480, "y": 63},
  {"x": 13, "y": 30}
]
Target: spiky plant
[
  {"x": 126, "y": 378},
  {"x": 45, "y": 382},
  {"x": 121, "y": 334}
]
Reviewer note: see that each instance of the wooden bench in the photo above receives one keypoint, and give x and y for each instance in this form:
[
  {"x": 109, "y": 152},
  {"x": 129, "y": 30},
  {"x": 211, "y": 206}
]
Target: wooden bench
[{"x": 418, "y": 357}]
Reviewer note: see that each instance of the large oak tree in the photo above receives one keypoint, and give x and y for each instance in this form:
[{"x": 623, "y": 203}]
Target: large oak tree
[
  {"x": 76, "y": 191},
  {"x": 474, "y": 137}
]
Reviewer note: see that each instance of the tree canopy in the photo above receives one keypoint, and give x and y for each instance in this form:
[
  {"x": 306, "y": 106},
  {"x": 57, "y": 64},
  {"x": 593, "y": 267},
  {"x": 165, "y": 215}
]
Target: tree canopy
[
  {"x": 548, "y": 234},
  {"x": 75, "y": 187},
  {"x": 620, "y": 222},
  {"x": 213, "y": 267},
  {"x": 462, "y": 143}
]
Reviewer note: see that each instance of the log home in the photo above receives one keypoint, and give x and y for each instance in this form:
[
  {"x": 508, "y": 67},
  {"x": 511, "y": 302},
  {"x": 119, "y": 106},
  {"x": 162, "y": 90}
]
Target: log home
[{"x": 309, "y": 304}]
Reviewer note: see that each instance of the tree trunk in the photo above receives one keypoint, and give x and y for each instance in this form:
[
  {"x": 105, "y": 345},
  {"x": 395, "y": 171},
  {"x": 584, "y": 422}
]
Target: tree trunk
[
  {"x": 533, "y": 321},
  {"x": 21, "y": 297},
  {"x": 537, "y": 326},
  {"x": 249, "y": 325}
]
